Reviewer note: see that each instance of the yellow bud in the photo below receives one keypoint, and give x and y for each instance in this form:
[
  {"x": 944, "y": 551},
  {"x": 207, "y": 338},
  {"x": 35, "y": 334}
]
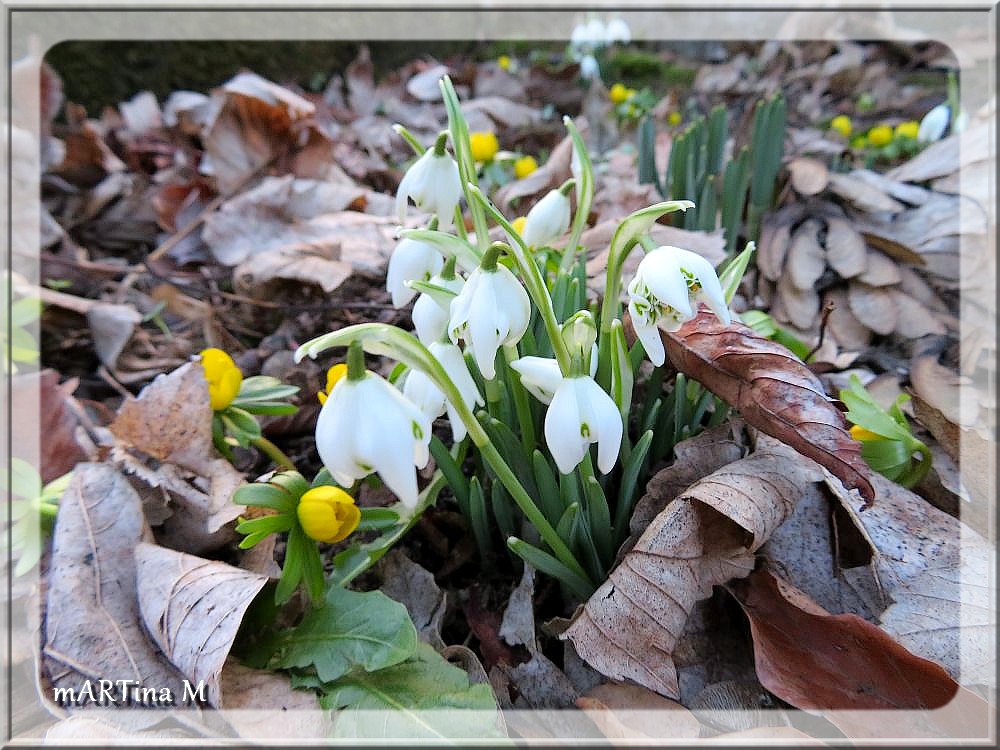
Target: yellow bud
[
  {"x": 880, "y": 135},
  {"x": 333, "y": 376},
  {"x": 484, "y": 146},
  {"x": 860, "y": 434},
  {"x": 328, "y": 514},
  {"x": 223, "y": 376},
  {"x": 674, "y": 119},
  {"x": 908, "y": 129},
  {"x": 859, "y": 142},
  {"x": 842, "y": 124},
  {"x": 525, "y": 166},
  {"x": 504, "y": 62},
  {"x": 618, "y": 93},
  {"x": 519, "y": 223}
]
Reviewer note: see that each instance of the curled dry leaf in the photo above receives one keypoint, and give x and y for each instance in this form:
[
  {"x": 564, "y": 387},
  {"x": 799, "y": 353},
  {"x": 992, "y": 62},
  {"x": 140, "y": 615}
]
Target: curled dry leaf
[
  {"x": 845, "y": 664},
  {"x": 92, "y": 625},
  {"x": 59, "y": 451},
  {"x": 193, "y": 608},
  {"x": 842, "y": 324},
  {"x": 915, "y": 320},
  {"x": 809, "y": 176},
  {"x": 413, "y": 586},
  {"x": 260, "y": 704},
  {"x": 806, "y": 259},
  {"x": 773, "y": 390},
  {"x": 942, "y": 388},
  {"x": 165, "y": 438},
  {"x": 707, "y": 536},
  {"x": 881, "y": 270},
  {"x": 800, "y": 307},
  {"x": 874, "y": 306},
  {"x": 623, "y": 711},
  {"x": 845, "y": 248},
  {"x": 863, "y": 194}
]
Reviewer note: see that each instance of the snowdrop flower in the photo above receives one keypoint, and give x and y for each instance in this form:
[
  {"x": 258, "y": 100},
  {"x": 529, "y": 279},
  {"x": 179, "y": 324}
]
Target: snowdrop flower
[
  {"x": 430, "y": 315},
  {"x": 617, "y": 31},
  {"x": 367, "y": 425},
  {"x": 412, "y": 260},
  {"x": 541, "y": 377},
  {"x": 667, "y": 279},
  {"x": 589, "y": 69},
  {"x": 581, "y": 413},
  {"x": 933, "y": 124},
  {"x": 492, "y": 310},
  {"x": 433, "y": 183},
  {"x": 422, "y": 391},
  {"x": 549, "y": 218}
]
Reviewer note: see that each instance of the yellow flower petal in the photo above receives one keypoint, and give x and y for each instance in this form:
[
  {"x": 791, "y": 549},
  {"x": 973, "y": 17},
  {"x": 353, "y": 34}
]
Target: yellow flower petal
[
  {"x": 842, "y": 124},
  {"x": 333, "y": 376},
  {"x": 880, "y": 135},
  {"x": 908, "y": 129},
  {"x": 860, "y": 434},
  {"x": 484, "y": 146},
  {"x": 328, "y": 514},
  {"x": 674, "y": 119},
  {"x": 223, "y": 376},
  {"x": 525, "y": 166},
  {"x": 618, "y": 93},
  {"x": 504, "y": 62},
  {"x": 519, "y": 223}
]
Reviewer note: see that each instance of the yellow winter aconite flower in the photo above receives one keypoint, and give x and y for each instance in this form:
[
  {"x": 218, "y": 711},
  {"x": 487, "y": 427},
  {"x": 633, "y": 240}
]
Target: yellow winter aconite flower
[
  {"x": 862, "y": 435},
  {"x": 519, "y": 223},
  {"x": 908, "y": 129},
  {"x": 328, "y": 514},
  {"x": 333, "y": 376},
  {"x": 674, "y": 119},
  {"x": 620, "y": 93},
  {"x": 842, "y": 124},
  {"x": 484, "y": 146},
  {"x": 223, "y": 376},
  {"x": 880, "y": 135},
  {"x": 504, "y": 62},
  {"x": 525, "y": 166}
]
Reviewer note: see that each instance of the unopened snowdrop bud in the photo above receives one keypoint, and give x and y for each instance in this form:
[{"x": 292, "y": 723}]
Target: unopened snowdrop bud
[
  {"x": 433, "y": 182},
  {"x": 412, "y": 260},
  {"x": 492, "y": 310},
  {"x": 660, "y": 295},
  {"x": 934, "y": 123},
  {"x": 366, "y": 426},
  {"x": 549, "y": 218},
  {"x": 422, "y": 391},
  {"x": 430, "y": 315},
  {"x": 580, "y": 334}
]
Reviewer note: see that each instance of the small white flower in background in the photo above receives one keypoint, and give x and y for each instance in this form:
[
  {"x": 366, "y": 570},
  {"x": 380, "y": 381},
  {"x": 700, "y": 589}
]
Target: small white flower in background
[
  {"x": 617, "y": 31},
  {"x": 934, "y": 123},
  {"x": 548, "y": 219},
  {"x": 420, "y": 389},
  {"x": 589, "y": 69},
  {"x": 412, "y": 260},
  {"x": 581, "y": 413},
  {"x": 541, "y": 376},
  {"x": 660, "y": 295},
  {"x": 434, "y": 184},
  {"x": 430, "y": 318},
  {"x": 367, "y": 425},
  {"x": 492, "y": 310}
]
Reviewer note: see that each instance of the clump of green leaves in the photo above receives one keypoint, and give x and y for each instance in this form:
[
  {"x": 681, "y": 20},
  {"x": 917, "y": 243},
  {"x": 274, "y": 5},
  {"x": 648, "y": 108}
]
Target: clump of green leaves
[
  {"x": 887, "y": 441},
  {"x": 33, "y": 511}
]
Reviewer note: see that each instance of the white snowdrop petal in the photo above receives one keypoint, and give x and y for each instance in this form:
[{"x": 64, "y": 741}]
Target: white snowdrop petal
[
  {"x": 562, "y": 429},
  {"x": 648, "y": 334}
]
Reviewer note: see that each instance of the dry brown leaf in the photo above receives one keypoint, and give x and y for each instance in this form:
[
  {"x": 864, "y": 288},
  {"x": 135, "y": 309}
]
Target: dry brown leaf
[
  {"x": 845, "y": 248},
  {"x": 171, "y": 423},
  {"x": 737, "y": 705},
  {"x": 800, "y": 307},
  {"x": 261, "y": 705},
  {"x": 773, "y": 390},
  {"x": 299, "y": 263},
  {"x": 550, "y": 175},
  {"x": 842, "y": 324},
  {"x": 112, "y": 327},
  {"x": 880, "y": 271},
  {"x": 844, "y": 664},
  {"x": 623, "y": 711},
  {"x": 502, "y": 111},
  {"x": 59, "y": 451},
  {"x": 93, "y": 627},
  {"x": 630, "y": 626},
  {"x": 775, "y": 238},
  {"x": 863, "y": 194},
  {"x": 809, "y": 176},
  {"x": 413, "y": 586},
  {"x": 942, "y": 388},
  {"x": 424, "y": 85},
  {"x": 192, "y": 608},
  {"x": 893, "y": 249},
  {"x": 915, "y": 320},
  {"x": 806, "y": 259},
  {"x": 873, "y": 306}
]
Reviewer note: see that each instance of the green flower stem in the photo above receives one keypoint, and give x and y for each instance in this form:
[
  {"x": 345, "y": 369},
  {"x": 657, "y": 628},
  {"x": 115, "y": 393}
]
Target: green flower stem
[
  {"x": 463, "y": 154},
  {"x": 273, "y": 452},
  {"x": 355, "y": 362},
  {"x": 584, "y": 196},
  {"x": 521, "y": 404},
  {"x": 407, "y": 136},
  {"x": 383, "y": 339},
  {"x": 532, "y": 278},
  {"x": 647, "y": 242}
]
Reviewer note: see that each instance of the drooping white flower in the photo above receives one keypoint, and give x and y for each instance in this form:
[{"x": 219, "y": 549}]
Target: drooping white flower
[
  {"x": 541, "y": 376},
  {"x": 434, "y": 184},
  {"x": 582, "y": 413},
  {"x": 492, "y": 310},
  {"x": 933, "y": 124},
  {"x": 367, "y": 425},
  {"x": 617, "y": 31},
  {"x": 665, "y": 283},
  {"x": 589, "y": 68},
  {"x": 412, "y": 260},
  {"x": 422, "y": 391},
  {"x": 547, "y": 220},
  {"x": 430, "y": 317}
]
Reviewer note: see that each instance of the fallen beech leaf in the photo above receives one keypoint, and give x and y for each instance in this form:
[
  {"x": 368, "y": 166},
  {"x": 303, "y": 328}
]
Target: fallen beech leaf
[
  {"x": 111, "y": 326},
  {"x": 298, "y": 263},
  {"x": 550, "y": 175},
  {"x": 707, "y": 536},
  {"x": 842, "y": 663},
  {"x": 800, "y": 307},
  {"x": 171, "y": 423},
  {"x": 502, "y": 111},
  {"x": 260, "y": 704},
  {"x": 842, "y": 324},
  {"x": 774, "y": 239},
  {"x": 806, "y": 259},
  {"x": 193, "y": 608},
  {"x": 809, "y": 176},
  {"x": 623, "y": 711},
  {"x": 881, "y": 270},
  {"x": 59, "y": 451},
  {"x": 845, "y": 248},
  {"x": 92, "y": 625},
  {"x": 915, "y": 320},
  {"x": 773, "y": 390},
  {"x": 874, "y": 306},
  {"x": 863, "y": 194},
  {"x": 737, "y": 705},
  {"x": 942, "y": 388},
  {"x": 413, "y": 586},
  {"x": 424, "y": 85}
]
